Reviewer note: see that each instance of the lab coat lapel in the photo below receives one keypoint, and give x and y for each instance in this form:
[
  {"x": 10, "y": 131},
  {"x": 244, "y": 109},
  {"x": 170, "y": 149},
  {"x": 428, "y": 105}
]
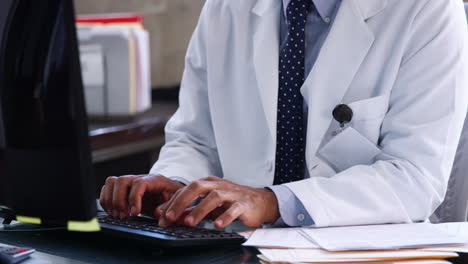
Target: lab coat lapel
[
  {"x": 347, "y": 45},
  {"x": 265, "y": 56}
]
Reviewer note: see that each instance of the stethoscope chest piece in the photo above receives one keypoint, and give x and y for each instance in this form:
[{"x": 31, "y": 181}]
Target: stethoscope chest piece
[{"x": 343, "y": 114}]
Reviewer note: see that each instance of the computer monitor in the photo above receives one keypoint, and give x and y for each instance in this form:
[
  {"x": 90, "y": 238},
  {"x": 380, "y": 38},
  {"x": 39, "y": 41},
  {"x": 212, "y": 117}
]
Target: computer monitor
[{"x": 45, "y": 160}]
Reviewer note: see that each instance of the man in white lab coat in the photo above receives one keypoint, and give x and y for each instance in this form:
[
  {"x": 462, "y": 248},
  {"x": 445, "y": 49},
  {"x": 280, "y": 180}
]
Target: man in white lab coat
[{"x": 262, "y": 81}]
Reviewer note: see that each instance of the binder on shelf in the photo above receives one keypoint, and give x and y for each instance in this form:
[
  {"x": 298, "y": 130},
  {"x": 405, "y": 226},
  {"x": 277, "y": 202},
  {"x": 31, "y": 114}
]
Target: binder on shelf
[{"x": 115, "y": 61}]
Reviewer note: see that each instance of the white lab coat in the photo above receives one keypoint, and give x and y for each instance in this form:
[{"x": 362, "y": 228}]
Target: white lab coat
[{"x": 401, "y": 65}]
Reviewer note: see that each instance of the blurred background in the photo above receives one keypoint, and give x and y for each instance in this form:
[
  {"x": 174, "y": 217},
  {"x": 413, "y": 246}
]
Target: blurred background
[
  {"x": 126, "y": 131},
  {"x": 170, "y": 24}
]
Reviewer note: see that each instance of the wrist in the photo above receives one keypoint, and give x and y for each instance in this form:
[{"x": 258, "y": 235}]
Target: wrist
[{"x": 272, "y": 213}]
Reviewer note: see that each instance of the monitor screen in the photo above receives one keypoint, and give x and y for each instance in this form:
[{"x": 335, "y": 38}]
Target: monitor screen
[
  {"x": 4, "y": 10},
  {"x": 45, "y": 160}
]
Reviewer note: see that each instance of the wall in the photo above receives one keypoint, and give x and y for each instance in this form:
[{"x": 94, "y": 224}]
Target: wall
[{"x": 170, "y": 22}]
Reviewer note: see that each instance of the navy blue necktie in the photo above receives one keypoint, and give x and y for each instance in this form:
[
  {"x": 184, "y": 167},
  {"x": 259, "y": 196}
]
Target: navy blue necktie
[{"x": 290, "y": 143}]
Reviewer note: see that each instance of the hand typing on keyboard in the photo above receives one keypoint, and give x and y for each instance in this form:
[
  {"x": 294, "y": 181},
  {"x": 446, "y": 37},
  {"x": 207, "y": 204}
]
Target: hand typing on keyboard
[
  {"x": 171, "y": 202},
  {"x": 126, "y": 196},
  {"x": 223, "y": 200}
]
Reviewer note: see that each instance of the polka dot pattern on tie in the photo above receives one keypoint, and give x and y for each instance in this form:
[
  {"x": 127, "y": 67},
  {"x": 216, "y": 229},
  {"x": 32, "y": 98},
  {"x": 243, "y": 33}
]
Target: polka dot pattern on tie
[{"x": 290, "y": 147}]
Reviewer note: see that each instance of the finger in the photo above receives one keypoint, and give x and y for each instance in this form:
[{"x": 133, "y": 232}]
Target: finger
[
  {"x": 137, "y": 190},
  {"x": 109, "y": 190},
  {"x": 212, "y": 178},
  {"x": 234, "y": 212},
  {"x": 158, "y": 212},
  {"x": 216, "y": 179},
  {"x": 217, "y": 212},
  {"x": 181, "y": 220},
  {"x": 166, "y": 196},
  {"x": 120, "y": 195},
  {"x": 142, "y": 185},
  {"x": 187, "y": 196},
  {"x": 101, "y": 198},
  {"x": 163, "y": 222},
  {"x": 215, "y": 199}
]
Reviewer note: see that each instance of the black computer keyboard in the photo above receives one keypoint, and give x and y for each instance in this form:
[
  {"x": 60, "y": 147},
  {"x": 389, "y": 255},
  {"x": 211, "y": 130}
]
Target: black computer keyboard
[{"x": 147, "y": 230}]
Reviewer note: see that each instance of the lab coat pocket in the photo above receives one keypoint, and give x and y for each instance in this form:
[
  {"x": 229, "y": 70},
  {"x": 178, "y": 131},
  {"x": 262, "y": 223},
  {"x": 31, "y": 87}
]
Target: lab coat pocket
[
  {"x": 368, "y": 115},
  {"x": 370, "y": 108},
  {"x": 321, "y": 168},
  {"x": 347, "y": 149}
]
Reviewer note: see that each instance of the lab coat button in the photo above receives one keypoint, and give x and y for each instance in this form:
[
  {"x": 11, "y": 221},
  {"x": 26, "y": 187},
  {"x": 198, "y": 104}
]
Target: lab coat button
[{"x": 300, "y": 217}]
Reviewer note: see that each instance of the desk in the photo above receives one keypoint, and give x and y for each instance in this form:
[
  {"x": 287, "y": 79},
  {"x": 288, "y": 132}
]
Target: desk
[
  {"x": 102, "y": 249},
  {"x": 99, "y": 248}
]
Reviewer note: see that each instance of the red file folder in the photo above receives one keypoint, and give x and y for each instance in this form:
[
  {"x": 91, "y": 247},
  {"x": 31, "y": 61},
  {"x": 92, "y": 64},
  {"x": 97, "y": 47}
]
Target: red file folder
[{"x": 110, "y": 19}]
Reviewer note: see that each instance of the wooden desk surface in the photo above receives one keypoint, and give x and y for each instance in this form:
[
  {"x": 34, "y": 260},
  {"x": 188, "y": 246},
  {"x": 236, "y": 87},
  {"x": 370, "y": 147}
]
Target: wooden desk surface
[{"x": 117, "y": 138}]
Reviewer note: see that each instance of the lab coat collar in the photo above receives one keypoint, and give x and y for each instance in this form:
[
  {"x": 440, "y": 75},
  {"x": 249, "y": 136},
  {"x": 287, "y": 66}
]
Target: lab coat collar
[
  {"x": 346, "y": 47},
  {"x": 325, "y": 8},
  {"x": 366, "y": 8},
  {"x": 265, "y": 56},
  {"x": 370, "y": 8}
]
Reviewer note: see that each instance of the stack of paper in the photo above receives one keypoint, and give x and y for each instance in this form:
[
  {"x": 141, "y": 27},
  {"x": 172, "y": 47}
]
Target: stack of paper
[
  {"x": 418, "y": 243},
  {"x": 320, "y": 255},
  {"x": 381, "y": 237},
  {"x": 425, "y": 261},
  {"x": 279, "y": 238},
  {"x": 115, "y": 58}
]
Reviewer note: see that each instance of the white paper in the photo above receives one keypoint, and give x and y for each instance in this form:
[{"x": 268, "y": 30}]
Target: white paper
[
  {"x": 460, "y": 249},
  {"x": 264, "y": 259},
  {"x": 319, "y": 255},
  {"x": 279, "y": 238},
  {"x": 143, "y": 64},
  {"x": 93, "y": 72},
  {"x": 421, "y": 262},
  {"x": 119, "y": 53},
  {"x": 245, "y": 233},
  {"x": 304, "y": 255},
  {"x": 92, "y": 65},
  {"x": 458, "y": 228},
  {"x": 382, "y": 237}
]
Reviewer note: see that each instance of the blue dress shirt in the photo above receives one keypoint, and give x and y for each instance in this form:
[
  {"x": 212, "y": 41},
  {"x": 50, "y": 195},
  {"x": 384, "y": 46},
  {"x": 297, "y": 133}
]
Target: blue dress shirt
[{"x": 318, "y": 25}]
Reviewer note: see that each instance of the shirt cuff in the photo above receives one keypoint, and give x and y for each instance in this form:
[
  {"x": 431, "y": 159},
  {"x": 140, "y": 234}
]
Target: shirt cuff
[{"x": 292, "y": 211}]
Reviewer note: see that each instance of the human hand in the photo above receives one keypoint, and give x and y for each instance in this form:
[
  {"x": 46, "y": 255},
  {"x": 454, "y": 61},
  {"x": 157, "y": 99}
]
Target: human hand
[
  {"x": 225, "y": 201},
  {"x": 131, "y": 195}
]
